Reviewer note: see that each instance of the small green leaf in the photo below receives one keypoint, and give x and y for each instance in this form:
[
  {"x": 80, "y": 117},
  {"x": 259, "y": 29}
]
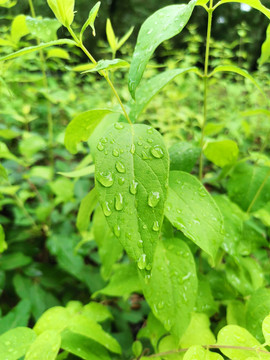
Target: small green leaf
[
  {"x": 96, "y": 311},
  {"x": 8, "y": 3},
  {"x": 86, "y": 208},
  {"x": 202, "y": 2},
  {"x": 265, "y": 53},
  {"x": 58, "y": 53},
  {"x": 108, "y": 65},
  {"x": 197, "y": 352},
  {"x": 19, "y": 28},
  {"x": 172, "y": 287},
  {"x": 191, "y": 209},
  {"x": 123, "y": 39},
  {"x": 91, "y": 20},
  {"x": 3, "y": 244},
  {"x": 81, "y": 127},
  {"x": 256, "y": 4},
  {"x": 45, "y": 346},
  {"x": 266, "y": 329},
  {"x": 3, "y": 173},
  {"x": 137, "y": 348},
  {"x": 153, "y": 330},
  {"x": 221, "y": 152},
  {"x": 131, "y": 177},
  {"x": 14, "y": 343},
  {"x": 183, "y": 156},
  {"x": 237, "y": 70},
  {"x": 111, "y": 36},
  {"x": 162, "y": 25},
  {"x": 63, "y": 10},
  {"x": 236, "y": 313},
  {"x": 44, "y": 29},
  {"x": 31, "y": 49},
  {"x": 86, "y": 171}
]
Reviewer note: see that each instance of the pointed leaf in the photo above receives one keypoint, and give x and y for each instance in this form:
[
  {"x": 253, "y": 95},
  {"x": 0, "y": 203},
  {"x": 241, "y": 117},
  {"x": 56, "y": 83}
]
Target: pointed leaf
[
  {"x": 111, "y": 36},
  {"x": 88, "y": 170},
  {"x": 86, "y": 208},
  {"x": 108, "y": 65},
  {"x": 131, "y": 180},
  {"x": 162, "y": 25},
  {"x": 3, "y": 244},
  {"x": 18, "y": 28},
  {"x": 125, "y": 38},
  {"x": 63, "y": 10},
  {"x": 45, "y": 347},
  {"x": 31, "y": 49},
  {"x": 256, "y": 4},
  {"x": 191, "y": 209},
  {"x": 91, "y": 20},
  {"x": 265, "y": 54},
  {"x": 81, "y": 127},
  {"x": 172, "y": 287}
]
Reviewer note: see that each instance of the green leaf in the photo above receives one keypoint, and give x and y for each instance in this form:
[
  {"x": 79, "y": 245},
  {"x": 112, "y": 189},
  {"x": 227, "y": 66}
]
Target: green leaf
[
  {"x": 266, "y": 329},
  {"x": 131, "y": 179},
  {"x": 3, "y": 173},
  {"x": 221, "y": 152},
  {"x": 18, "y": 28},
  {"x": 44, "y": 29},
  {"x": 123, "y": 39},
  {"x": 265, "y": 52},
  {"x": 172, "y": 287},
  {"x": 14, "y": 343},
  {"x": 14, "y": 260},
  {"x": 108, "y": 65},
  {"x": 197, "y": 352},
  {"x": 202, "y": 2},
  {"x": 236, "y": 336},
  {"x": 58, "y": 53},
  {"x": 45, "y": 347},
  {"x": 236, "y": 313},
  {"x": 96, "y": 311},
  {"x": 81, "y": 127},
  {"x": 86, "y": 208},
  {"x": 56, "y": 319},
  {"x": 153, "y": 330},
  {"x": 86, "y": 171},
  {"x": 183, "y": 156},
  {"x": 63, "y": 10},
  {"x": 191, "y": 209},
  {"x": 111, "y": 36},
  {"x": 3, "y": 244},
  {"x": 7, "y": 3},
  {"x": 237, "y": 70},
  {"x": 151, "y": 87},
  {"x": 256, "y": 4},
  {"x": 91, "y": 20},
  {"x": 82, "y": 325},
  {"x": 41, "y": 46},
  {"x": 18, "y": 316},
  {"x": 205, "y": 302},
  {"x": 258, "y": 307},
  {"x": 83, "y": 347},
  {"x": 160, "y": 26}
]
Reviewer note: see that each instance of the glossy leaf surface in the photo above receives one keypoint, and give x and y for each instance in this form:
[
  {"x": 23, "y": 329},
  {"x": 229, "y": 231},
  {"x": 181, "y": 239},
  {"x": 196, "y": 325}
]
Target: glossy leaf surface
[
  {"x": 63, "y": 10},
  {"x": 265, "y": 53},
  {"x": 256, "y": 4},
  {"x": 91, "y": 19},
  {"x": 14, "y": 343},
  {"x": 221, "y": 152},
  {"x": 45, "y": 347}
]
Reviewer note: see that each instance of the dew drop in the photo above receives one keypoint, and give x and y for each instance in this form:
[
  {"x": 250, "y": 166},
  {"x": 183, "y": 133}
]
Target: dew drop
[
  {"x": 119, "y": 126},
  {"x": 145, "y": 156},
  {"x": 105, "y": 178},
  {"x": 144, "y": 227},
  {"x": 118, "y": 202},
  {"x": 150, "y": 140},
  {"x": 120, "y": 167},
  {"x": 140, "y": 243},
  {"x": 157, "y": 152},
  {"x": 121, "y": 180},
  {"x": 115, "y": 153},
  {"x": 142, "y": 262},
  {"x": 100, "y": 147},
  {"x": 139, "y": 143},
  {"x": 148, "y": 267},
  {"x": 149, "y": 32},
  {"x": 150, "y": 130},
  {"x": 155, "y": 226},
  {"x": 160, "y": 305},
  {"x": 116, "y": 230},
  {"x": 104, "y": 140},
  {"x": 153, "y": 198},
  {"x": 133, "y": 187},
  {"x": 106, "y": 208},
  {"x": 132, "y": 149}
]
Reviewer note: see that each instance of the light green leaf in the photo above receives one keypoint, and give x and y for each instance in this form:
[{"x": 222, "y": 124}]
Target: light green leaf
[
  {"x": 258, "y": 307},
  {"x": 254, "y": 112},
  {"x": 63, "y": 10},
  {"x": 81, "y": 127},
  {"x": 58, "y": 53},
  {"x": 153, "y": 330},
  {"x": 221, "y": 152},
  {"x": 236, "y": 336},
  {"x": 45, "y": 347},
  {"x": 237, "y": 70},
  {"x": 8, "y": 3},
  {"x": 3, "y": 244},
  {"x": 82, "y": 325},
  {"x": 183, "y": 156},
  {"x": 172, "y": 287},
  {"x": 205, "y": 302},
  {"x": 266, "y": 329},
  {"x": 18, "y": 28},
  {"x": 83, "y": 67},
  {"x": 111, "y": 36},
  {"x": 123, "y": 39},
  {"x": 108, "y": 65},
  {"x": 256, "y": 4},
  {"x": 56, "y": 318},
  {"x": 202, "y": 2},
  {"x": 131, "y": 178},
  {"x": 86, "y": 208},
  {"x": 191, "y": 209},
  {"x": 96, "y": 311},
  {"x": 83, "y": 347},
  {"x": 170, "y": 344},
  {"x": 236, "y": 313},
  {"x": 197, "y": 352},
  {"x": 3, "y": 173},
  {"x": 14, "y": 343},
  {"x": 265, "y": 53},
  {"x": 44, "y": 29},
  {"x": 86, "y": 171},
  {"x": 150, "y": 88},
  {"x": 162, "y": 25},
  {"x": 6, "y": 154},
  {"x": 91, "y": 20},
  {"x": 41, "y": 46}
]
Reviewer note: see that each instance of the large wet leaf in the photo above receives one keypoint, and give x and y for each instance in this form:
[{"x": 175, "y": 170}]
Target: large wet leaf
[
  {"x": 265, "y": 52},
  {"x": 172, "y": 287},
  {"x": 191, "y": 209},
  {"x": 15, "y": 343},
  {"x": 45, "y": 347},
  {"x": 131, "y": 179},
  {"x": 160, "y": 26}
]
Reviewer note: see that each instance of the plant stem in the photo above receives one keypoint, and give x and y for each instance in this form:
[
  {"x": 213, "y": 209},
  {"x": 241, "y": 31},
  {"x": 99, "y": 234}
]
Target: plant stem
[
  {"x": 258, "y": 192},
  {"x": 103, "y": 73},
  {"x": 46, "y": 86},
  {"x": 205, "y": 83}
]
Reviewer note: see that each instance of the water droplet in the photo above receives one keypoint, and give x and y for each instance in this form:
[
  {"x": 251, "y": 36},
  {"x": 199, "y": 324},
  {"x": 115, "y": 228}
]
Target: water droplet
[
  {"x": 119, "y": 126},
  {"x": 160, "y": 305},
  {"x": 142, "y": 262},
  {"x": 118, "y": 202},
  {"x": 120, "y": 167},
  {"x": 150, "y": 130},
  {"x": 145, "y": 156},
  {"x": 105, "y": 178},
  {"x": 148, "y": 267},
  {"x": 106, "y": 152},
  {"x": 139, "y": 143},
  {"x": 155, "y": 226},
  {"x": 149, "y": 32},
  {"x": 100, "y": 147},
  {"x": 104, "y": 140},
  {"x": 140, "y": 243},
  {"x": 157, "y": 152},
  {"x": 144, "y": 227},
  {"x": 116, "y": 230},
  {"x": 121, "y": 180},
  {"x": 132, "y": 149},
  {"x": 106, "y": 208},
  {"x": 153, "y": 198},
  {"x": 150, "y": 140},
  {"x": 133, "y": 187},
  {"x": 115, "y": 152}
]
